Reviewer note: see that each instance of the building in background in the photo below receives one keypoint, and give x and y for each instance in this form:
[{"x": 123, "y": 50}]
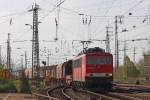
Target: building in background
[{"x": 147, "y": 66}]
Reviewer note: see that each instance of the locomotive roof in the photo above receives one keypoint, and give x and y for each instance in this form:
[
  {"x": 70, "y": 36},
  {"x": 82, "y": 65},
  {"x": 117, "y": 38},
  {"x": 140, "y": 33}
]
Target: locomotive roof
[
  {"x": 91, "y": 50},
  {"x": 93, "y": 53}
]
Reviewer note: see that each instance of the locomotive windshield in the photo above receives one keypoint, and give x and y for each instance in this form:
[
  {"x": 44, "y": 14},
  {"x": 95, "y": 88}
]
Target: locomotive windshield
[{"x": 96, "y": 60}]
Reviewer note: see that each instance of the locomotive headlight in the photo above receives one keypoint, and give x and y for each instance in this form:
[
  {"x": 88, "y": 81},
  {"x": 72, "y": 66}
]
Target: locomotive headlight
[{"x": 110, "y": 74}]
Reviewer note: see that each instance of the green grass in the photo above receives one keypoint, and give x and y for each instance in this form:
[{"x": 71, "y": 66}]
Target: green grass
[{"x": 7, "y": 87}]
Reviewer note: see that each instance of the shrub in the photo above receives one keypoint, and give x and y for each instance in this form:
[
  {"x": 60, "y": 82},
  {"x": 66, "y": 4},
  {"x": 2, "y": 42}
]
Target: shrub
[
  {"x": 25, "y": 90},
  {"x": 8, "y": 87}
]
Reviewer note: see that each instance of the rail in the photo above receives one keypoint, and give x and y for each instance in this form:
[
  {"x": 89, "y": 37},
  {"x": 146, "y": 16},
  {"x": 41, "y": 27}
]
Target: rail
[
  {"x": 63, "y": 91},
  {"x": 123, "y": 96},
  {"x": 131, "y": 85},
  {"x": 59, "y": 92},
  {"x": 43, "y": 97},
  {"x": 100, "y": 96}
]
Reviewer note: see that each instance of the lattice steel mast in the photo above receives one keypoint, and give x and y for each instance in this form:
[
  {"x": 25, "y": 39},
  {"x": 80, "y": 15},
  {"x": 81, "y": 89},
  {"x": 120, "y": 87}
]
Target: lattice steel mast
[
  {"x": 8, "y": 53},
  {"x": 35, "y": 43}
]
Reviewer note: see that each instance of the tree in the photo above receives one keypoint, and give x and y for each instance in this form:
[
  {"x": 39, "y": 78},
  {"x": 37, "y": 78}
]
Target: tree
[
  {"x": 132, "y": 71},
  {"x": 140, "y": 66},
  {"x": 118, "y": 74}
]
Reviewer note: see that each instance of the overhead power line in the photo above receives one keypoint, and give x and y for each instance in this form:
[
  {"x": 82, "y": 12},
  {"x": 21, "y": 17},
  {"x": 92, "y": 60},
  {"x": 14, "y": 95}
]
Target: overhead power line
[
  {"x": 133, "y": 7},
  {"x": 107, "y": 11},
  {"x": 50, "y": 11},
  {"x": 16, "y": 13},
  {"x": 130, "y": 9},
  {"x": 104, "y": 16},
  {"x": 13, "y": 14}
]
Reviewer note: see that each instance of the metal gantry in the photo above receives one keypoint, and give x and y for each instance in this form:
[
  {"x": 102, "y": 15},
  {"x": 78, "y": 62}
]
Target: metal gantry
[
  {"x": 108, "y": 39},
  {"x": 35, "y": 43},
  {"x": 118, "y": 19},
  {"x": 25, "y": 59},
  {"x": 116, "y": 44},
  {"x": 8, "y": 53}
]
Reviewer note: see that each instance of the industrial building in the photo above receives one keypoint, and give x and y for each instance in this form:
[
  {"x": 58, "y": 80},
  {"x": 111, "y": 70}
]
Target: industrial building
[{"x": 147, "y": 66}]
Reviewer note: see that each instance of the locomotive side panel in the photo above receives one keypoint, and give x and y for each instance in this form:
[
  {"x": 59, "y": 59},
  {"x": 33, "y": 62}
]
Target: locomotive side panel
[
  {"x": 77, "y": 69},
  {"x": 83, "y": 68}
]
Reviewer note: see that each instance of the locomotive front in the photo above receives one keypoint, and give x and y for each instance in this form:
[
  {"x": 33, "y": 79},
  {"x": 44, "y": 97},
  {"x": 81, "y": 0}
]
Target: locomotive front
[
  {"x": 93, "y": 69},
  {"x": 99, "y": 71}
]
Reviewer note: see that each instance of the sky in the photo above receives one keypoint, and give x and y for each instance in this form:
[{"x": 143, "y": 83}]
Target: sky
[{"x": 102, "y": 14}]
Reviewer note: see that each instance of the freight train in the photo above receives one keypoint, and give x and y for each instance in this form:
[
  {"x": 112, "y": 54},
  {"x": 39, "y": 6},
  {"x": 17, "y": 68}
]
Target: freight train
[{"x": 91, "y": 69}]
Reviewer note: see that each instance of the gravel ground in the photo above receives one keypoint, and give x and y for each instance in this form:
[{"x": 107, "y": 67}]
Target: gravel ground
[
  {"x": 80, "y": 95},
  {"x": 16, "y": 96}
]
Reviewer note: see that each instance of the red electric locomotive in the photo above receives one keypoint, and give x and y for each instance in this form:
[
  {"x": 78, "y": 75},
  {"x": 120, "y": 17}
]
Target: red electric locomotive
[{"x": 93, "y": 69}]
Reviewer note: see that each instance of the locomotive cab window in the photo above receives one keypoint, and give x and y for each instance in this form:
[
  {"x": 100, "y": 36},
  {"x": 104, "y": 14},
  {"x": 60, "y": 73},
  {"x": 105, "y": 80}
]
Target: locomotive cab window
[{"x": 95, "y": 60}]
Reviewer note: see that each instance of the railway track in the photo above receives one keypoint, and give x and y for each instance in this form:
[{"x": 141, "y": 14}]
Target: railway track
[
  {"x": 112, "y": 96},
  {"x": 67, "y": 93},
  {"x": 79, "y": 94},
  {"x": 43, "y": 97},
  {"x": 123, "y": 96},
  {"x": 130, "y": 90},
  {"x": 143, "y": 96},
  {"x": 132, "y": 85},
  {"x": 98, "y": 96},
  {"x": 120, "y": 96},
  {"x": 59, "y": 93}
]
